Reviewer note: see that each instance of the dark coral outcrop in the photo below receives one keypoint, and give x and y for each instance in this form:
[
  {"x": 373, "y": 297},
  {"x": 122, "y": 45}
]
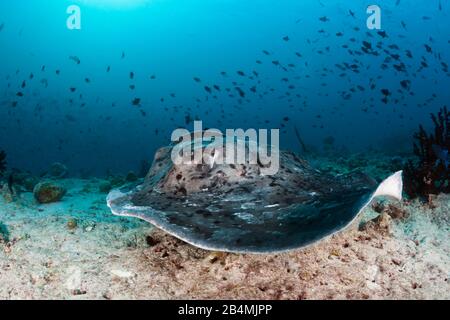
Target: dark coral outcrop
[
  {"x": 430, "y": 173},
  {"x": 2, "y": 161}
]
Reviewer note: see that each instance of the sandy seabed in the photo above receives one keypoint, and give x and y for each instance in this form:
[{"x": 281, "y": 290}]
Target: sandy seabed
[{"x": 76, "y": 249}]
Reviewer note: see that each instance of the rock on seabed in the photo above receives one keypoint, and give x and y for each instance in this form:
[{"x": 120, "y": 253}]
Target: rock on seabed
[{"x": 48, "y": 192}]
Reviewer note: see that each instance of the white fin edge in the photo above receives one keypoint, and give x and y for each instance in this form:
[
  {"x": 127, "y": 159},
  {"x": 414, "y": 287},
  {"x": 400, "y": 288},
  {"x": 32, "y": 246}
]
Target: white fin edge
[
  {"x": 113, "y": 195},
  {"x": 391, "y": 187}
]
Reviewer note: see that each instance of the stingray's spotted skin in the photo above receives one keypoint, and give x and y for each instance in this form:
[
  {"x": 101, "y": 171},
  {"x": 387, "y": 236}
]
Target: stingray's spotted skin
[{"x": 235, "y": 209}]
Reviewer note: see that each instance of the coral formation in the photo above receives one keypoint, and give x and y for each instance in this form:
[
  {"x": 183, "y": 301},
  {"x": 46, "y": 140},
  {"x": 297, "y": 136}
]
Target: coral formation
[
  {"x": 57, "y": 171},
  {"x": 430, "y": 173},
  {"x": 24, "y": 180},
  {"x": 2, "y": 161},
  {"x": 48, "y": 192}
]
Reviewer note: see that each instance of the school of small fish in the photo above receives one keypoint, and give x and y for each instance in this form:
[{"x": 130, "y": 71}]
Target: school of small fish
[{"x": 232, "y": 90}]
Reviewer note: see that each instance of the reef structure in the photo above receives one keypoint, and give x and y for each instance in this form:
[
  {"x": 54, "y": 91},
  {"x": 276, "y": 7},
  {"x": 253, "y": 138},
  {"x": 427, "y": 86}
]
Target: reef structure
[
  {"x": 2, "y": 162},
  {"x": 430, "y": 174}
]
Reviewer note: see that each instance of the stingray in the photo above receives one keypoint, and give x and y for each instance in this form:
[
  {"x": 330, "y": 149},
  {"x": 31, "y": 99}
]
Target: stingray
[{"x": 235, "y": 208}]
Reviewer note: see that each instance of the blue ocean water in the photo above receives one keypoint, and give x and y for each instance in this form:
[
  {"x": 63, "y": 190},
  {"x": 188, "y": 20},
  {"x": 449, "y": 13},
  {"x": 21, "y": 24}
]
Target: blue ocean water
[{"x": 107, "y": 96}]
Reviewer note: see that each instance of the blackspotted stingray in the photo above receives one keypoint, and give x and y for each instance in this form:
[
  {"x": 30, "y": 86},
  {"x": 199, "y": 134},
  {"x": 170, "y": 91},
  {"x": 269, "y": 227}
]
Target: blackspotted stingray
[{"x": 235, "y": 208}]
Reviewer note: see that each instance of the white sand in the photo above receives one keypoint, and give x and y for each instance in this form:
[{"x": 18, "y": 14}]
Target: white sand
[{"x": 108, "y": 257}]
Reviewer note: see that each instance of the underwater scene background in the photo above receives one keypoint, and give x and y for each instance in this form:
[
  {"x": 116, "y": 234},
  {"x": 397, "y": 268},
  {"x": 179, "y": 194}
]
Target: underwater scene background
[
  {"x": 90, "y": 90},
  {"x": 107, "y": 96}
]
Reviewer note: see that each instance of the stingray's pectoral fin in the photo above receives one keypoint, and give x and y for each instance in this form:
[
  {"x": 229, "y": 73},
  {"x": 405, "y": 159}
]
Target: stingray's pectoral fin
[{"x": 391, "y": 187}]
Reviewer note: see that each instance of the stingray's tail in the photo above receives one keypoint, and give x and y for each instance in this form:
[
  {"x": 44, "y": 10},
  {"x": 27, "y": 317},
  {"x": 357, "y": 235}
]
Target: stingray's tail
[{"x": 391, "y": 187}]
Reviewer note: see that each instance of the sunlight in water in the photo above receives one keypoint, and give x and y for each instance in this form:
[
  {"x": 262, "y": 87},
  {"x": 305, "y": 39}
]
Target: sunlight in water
[{"x": 115, "y": 4}]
